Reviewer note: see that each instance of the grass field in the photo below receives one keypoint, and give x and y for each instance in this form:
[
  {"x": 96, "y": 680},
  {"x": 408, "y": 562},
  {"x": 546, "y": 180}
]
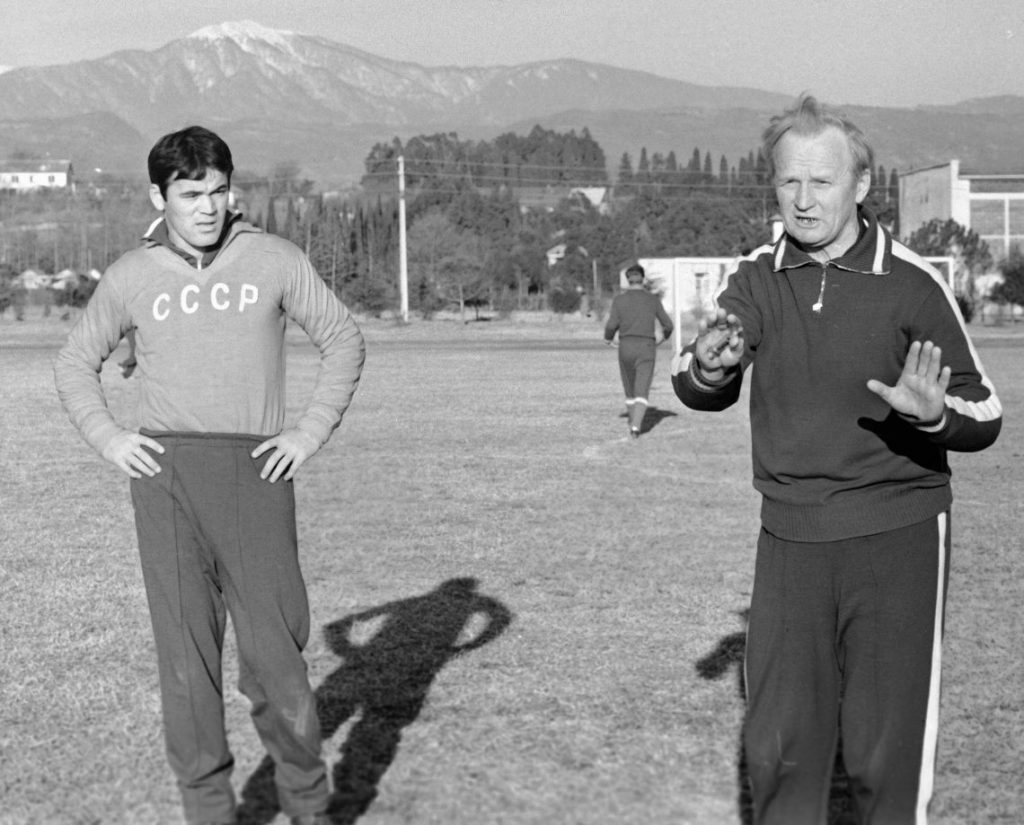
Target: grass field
[{"x": 520, "y": 616}]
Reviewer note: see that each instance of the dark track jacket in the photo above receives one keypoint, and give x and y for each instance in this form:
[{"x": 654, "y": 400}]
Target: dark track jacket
[{"x": 831, "y": 459}]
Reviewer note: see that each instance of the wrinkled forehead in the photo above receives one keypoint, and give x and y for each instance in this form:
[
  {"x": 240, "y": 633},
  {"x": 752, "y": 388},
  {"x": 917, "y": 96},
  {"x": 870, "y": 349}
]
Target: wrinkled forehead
[{"x": 822, "y": 147}]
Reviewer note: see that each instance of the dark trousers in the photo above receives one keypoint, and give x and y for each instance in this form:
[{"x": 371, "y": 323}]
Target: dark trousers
[
  {"x": 846, "y": 633},
  {"x": 215, "y": 539},
  {"x": 636, "y": 365}
]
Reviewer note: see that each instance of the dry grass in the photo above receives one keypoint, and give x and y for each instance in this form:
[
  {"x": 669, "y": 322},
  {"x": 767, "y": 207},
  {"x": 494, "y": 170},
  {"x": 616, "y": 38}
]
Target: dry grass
[{"x": 610, "y": 579}]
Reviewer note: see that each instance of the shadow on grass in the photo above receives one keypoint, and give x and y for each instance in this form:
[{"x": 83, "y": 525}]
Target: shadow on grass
[
  {"x": 728, "y": 655},
  {"x": 383, "y": 681},
  {"x": 652, "y": 417}
]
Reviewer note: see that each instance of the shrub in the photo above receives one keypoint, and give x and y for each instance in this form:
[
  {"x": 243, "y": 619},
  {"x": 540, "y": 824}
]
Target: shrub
[{"x": 564, "y": 301}]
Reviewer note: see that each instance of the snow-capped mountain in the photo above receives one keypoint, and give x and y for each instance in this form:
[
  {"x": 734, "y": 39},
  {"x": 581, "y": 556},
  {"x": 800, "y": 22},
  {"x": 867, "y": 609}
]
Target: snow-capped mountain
[
  {"x": 283, "y": 96},
  {"x": 244, "y": 70}
]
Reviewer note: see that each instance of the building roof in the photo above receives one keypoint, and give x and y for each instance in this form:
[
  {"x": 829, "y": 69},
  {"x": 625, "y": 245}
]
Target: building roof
[{"x": 34, "y": 165}]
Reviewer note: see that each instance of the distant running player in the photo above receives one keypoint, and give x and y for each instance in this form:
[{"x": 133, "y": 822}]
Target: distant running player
[{"x": 635, "y": 316}]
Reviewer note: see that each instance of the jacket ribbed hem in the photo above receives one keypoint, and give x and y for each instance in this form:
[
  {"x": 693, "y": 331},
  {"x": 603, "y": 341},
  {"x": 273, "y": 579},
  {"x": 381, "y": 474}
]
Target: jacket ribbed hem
[{"x": 862, "y": 514}]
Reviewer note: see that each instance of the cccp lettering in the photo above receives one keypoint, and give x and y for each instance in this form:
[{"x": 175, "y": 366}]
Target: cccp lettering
[{"x": 219, "y": 298}]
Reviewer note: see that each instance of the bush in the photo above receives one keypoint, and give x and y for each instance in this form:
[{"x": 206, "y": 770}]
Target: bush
[
  {"x": 76, "y": 296},
  {"x": 13, "y": 294},
  {"x": 564, "y": 301},
  {"x": 366, "y": 296}
]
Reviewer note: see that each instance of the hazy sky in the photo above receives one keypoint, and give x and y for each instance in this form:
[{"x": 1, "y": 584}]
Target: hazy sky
[{"x": 893, "y": 53}]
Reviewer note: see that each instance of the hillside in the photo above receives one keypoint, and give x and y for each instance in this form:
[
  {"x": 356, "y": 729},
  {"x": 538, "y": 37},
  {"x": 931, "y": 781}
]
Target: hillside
[{"x": 284, "y": 97}]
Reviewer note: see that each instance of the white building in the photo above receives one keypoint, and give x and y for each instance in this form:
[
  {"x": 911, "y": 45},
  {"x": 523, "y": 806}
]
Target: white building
[
  {"x": 992, "y": 205},
  {"x": 26, "y": 175}
]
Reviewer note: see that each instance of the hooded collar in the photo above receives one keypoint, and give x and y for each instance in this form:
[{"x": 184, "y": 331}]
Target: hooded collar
[
  {"x": 157, "y": 235},
  {"x": 871, "y": 253}
]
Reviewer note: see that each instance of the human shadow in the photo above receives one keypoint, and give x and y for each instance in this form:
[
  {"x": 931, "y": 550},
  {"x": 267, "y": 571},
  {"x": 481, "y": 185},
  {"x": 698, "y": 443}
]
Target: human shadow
[
  {"x": 728, "y": 655},
  {"x": 391, "y": 655},
  {"x": 652, "y": 417}
]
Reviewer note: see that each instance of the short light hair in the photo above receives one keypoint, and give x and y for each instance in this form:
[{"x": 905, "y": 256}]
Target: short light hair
[{"x": 810, "y": 117}]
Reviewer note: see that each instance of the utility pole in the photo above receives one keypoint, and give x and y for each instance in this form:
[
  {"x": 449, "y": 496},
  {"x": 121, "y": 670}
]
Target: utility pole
[{"x": 403, "y": 259}]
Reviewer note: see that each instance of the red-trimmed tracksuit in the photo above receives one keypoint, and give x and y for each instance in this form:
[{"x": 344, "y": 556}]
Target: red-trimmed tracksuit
[{"x": 852, "y": 562}]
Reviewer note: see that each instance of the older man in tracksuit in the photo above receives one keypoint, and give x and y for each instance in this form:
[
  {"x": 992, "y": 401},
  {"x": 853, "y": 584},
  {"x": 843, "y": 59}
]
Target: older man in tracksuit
[
  {"x": 212, "y": 463},
  {"x": 863, "y": 378}
]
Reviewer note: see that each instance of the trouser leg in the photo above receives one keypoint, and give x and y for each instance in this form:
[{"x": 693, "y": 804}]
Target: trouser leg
[
  {"x": 188, "y": 620},
  {"x": 627, "y": 372},
  {"x": 644, "y": 369},
  {"x": 890, "y": 643},
  {"x": 637, "y": 413},
  {"x": 267, "y": 599},
  {"x": 639, "y": 353},
  {"x": 792, "y": 677}
]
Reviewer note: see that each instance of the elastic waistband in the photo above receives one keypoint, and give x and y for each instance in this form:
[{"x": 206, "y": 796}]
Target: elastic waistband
[{"x": 206, "y": 439}]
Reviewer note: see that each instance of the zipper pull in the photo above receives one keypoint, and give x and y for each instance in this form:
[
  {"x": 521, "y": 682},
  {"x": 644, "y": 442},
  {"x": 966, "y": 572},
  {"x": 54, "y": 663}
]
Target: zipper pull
[{"x": 816, "y": 307}]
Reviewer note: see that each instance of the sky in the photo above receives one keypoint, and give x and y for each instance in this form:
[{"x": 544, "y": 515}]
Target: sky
[{"x": 862, "y": 52}]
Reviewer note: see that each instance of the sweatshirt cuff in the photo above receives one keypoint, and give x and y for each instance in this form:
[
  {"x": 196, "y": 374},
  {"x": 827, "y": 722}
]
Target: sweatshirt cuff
[
  {"x": 931, "y": 426},
  {"x": 99, "y": 435},
  {"x": 315, "y": 426},
  {"x": 702, "y": 382}
]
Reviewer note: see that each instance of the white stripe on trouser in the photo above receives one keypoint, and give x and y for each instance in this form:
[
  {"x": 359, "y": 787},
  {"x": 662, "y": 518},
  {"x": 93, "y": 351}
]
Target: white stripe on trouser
[
  {"x": 639, "y": 400},
  {"x": 931, "y": 730}
]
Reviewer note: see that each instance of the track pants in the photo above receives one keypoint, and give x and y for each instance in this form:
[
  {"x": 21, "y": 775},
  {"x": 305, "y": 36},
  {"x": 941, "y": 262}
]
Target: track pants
[
  {"x": 636, "y": 368},
  {"x": 846, "y": 633},
  {"x": 215, "y": 539}
]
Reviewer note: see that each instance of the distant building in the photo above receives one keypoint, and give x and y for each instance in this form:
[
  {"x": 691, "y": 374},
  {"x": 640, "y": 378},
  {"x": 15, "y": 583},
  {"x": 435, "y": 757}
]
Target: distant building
[
  {"x": 31, "y": 280},
  {"x": 992, "y": 205},
  {"x": 596, "y": 196},
  {"x": 27, "y": 175}
]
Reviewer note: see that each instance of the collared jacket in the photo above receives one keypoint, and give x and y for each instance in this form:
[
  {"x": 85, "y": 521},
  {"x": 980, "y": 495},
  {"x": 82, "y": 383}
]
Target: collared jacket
[
  {"x": 831, "y": 459},
  {"x": 210, "y": 339}
]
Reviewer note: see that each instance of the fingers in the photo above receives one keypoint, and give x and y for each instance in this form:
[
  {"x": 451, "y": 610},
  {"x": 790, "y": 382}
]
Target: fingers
[
  {"x": 718, "y": 333},
  {"x": 924, "y": 360},
  {"x": 880, "y": 389},
  {"x": 290, "y": 451},
  {"x": 262, "y": 448},
  {"x": 142, "y": 462},
  {"x": 131, "y": 453},
  {"x": 932, "y": 355},
  {"x": 282, "y": 465},
  {"x": 920, "y": 391},
  {"x": 276, "y": 466}
]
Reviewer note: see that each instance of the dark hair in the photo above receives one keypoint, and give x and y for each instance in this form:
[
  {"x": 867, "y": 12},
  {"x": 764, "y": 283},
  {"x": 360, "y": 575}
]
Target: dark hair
[
  {"x": 809, "y": 117},
  {"x": 187, "y": 155},
  {"x": 635, "y": 269}
]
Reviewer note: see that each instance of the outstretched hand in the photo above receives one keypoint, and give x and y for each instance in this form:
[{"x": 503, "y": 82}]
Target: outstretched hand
[
  {"x": 719, "y": 343},
  {"x": 920, "y": 392},
  {"x": 291, "y": 449}
]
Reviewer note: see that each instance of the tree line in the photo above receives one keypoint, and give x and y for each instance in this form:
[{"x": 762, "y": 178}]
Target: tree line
[{"x": 499, "y": 223}]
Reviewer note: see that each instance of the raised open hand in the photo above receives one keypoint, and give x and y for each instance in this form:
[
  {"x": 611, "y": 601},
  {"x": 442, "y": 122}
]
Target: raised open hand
[{"x": 920, "y": 392}]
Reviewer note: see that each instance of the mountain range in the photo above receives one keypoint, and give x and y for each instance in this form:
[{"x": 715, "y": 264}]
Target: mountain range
[{"x": 282, "y": 97}]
